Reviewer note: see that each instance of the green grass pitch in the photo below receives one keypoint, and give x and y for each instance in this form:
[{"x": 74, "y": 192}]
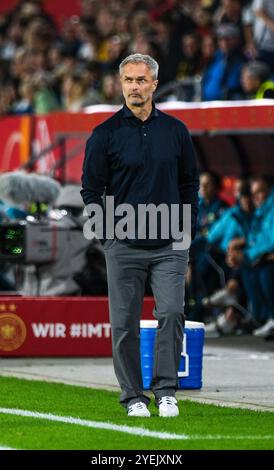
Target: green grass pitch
[{"x": 205, "y": 426}]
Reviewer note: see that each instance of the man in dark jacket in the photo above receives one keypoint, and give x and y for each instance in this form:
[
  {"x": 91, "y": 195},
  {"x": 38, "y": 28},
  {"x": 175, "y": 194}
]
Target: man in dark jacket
[{"x": 142, "y": 156}]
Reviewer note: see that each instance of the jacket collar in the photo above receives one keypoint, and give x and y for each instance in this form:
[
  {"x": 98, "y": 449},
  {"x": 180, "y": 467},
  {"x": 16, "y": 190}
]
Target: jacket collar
[{"x": 127, "y": 113}]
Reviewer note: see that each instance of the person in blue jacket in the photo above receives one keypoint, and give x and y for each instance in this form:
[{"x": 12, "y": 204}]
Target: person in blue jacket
[
  {"x": 233, "y": 227},
  {"x": 222, "y": 77},
  {"x": 256, "y": 257},
  {"x": 235, "y": 221}
]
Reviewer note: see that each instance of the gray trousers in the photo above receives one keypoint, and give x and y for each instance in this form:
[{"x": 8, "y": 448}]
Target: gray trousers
[{"x": 127, "y": 271}]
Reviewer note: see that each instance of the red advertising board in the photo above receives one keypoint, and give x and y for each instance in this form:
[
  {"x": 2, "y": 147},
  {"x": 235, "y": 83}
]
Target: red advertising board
[
  {"x": 15, "y": 141},
  {"x": 57, "y": 326}
]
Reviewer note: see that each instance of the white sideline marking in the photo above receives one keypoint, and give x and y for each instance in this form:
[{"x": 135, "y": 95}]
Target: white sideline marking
[
  {"x": 136, "y": 431},
  {"x": 6, "y": 448}
]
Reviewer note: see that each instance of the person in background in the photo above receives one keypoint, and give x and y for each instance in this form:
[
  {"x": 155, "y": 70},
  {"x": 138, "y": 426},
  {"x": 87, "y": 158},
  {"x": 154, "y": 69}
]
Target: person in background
[
  {"x": 231, "y": 11},
  {"x": 74, "y": 91},
  {"x": 202, "y": 278},
  {"x": 190, "y": 63},
  {"x": 235, "y": 221},
  {"x": 221, "y": 79},
  {"x": 211, "y": 206},
  {"x": 110, "y": 93},
  {"x": 208, "y": 49},
  {"x": 255, "y": 254},
  {"x": 256, "y": 81},
  {"x": 263, "y": 31},
  {"x": 233, "y": 226}
]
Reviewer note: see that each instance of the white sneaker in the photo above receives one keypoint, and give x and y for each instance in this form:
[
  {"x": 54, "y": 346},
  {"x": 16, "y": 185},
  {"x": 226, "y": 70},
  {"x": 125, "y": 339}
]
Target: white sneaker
[
  {"x": 139, "y": 410},
  {"x": 264, "y": 330},
  {"x": 168, "y": 407}
]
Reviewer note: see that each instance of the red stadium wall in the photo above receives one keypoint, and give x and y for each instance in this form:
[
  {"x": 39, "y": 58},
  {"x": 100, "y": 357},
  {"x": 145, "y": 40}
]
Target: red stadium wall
[
  {"x": 18, "y": 134},
  {"x": 7, "y": 5},
  {"x": 59, "y": 10}
]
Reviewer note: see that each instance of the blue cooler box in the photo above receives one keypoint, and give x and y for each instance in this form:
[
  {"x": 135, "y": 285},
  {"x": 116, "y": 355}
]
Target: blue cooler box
[{"x": 190, "y": 369}]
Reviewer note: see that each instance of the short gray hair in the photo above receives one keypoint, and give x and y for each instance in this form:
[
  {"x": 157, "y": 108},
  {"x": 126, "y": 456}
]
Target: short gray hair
[
  {"x": 141, "y": 59},
  {"x": 258, "y": 70}
]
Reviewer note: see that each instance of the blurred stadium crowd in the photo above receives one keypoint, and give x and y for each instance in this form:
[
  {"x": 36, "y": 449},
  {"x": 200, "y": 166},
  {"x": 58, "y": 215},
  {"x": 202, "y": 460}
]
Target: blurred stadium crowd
[
  {"x": 230, "y": 279},
  {"x": 207, "y": 50}
]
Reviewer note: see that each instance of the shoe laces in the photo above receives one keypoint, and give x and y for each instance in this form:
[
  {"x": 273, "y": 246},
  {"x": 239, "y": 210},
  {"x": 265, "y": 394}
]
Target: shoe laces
[
  {"x": 168, "y": 401},
  {"x": 140, "y": 406}
]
